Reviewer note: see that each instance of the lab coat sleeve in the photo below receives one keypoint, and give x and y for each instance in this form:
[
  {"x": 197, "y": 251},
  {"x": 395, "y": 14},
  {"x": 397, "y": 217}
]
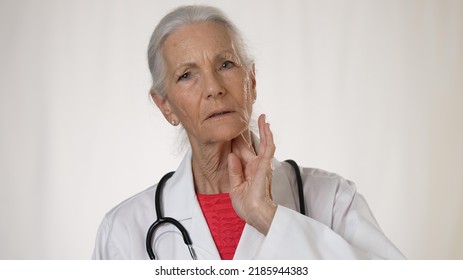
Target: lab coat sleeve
[
  {"x": 100, "y": 250},
  {"x": 354, "y": 233}
]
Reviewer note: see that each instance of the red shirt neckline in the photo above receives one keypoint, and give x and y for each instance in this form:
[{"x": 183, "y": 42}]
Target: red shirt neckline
[{"x": 224, "y": 224}]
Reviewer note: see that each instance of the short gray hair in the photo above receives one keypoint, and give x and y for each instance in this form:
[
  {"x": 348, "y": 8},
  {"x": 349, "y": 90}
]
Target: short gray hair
[{"x": 180, "y": 17}]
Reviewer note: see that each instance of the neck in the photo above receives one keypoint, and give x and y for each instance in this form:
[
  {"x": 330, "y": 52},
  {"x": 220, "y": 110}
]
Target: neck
[{"x": 210, "y": 166}]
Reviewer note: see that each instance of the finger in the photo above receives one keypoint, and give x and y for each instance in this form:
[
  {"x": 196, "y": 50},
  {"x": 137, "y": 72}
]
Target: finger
[
  {"x": 267, "y": 148},
  {"x": 242, "y": 149},
  {"x": 269, "y": 189},
  {"x": 235, "y": 170},
  {"x": 270, "y": 144},
  {"x": 262, "y": 136},
  {"x": 267, "y": 145}
]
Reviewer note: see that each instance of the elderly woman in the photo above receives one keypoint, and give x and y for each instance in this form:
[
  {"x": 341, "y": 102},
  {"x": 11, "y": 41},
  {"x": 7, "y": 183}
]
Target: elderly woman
[{"x": 229, "y": 198}]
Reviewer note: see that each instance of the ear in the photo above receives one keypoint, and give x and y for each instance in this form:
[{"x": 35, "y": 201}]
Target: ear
[{"x": 165, "y": 107}]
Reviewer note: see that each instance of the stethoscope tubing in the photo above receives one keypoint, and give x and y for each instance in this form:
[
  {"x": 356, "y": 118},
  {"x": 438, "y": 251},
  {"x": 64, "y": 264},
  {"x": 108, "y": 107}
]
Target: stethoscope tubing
[
  {"x": 160, "y": 220},
  {"x": 300, "y": 188}
]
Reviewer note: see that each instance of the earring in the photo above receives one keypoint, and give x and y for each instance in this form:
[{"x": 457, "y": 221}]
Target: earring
[{"x": 173, "y": 122}]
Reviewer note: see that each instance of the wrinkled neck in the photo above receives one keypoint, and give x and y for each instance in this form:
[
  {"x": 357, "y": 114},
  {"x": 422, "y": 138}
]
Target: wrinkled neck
[{"x": 210, "y": 166}]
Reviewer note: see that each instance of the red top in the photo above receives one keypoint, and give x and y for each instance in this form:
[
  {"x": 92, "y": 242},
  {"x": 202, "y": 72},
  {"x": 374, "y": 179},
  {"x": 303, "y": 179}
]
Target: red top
[{"x": 225, "y": 225}]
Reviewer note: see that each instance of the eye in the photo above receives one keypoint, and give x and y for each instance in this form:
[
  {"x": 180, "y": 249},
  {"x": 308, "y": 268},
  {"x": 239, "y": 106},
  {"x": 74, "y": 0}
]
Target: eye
[
  {"x": 227, "y": 64},
  {"x": 184, "y": 77}
]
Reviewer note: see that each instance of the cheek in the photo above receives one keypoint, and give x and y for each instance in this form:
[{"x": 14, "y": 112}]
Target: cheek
[
  {"x": 241, "y": 85},
  {"x": 249, "y": 92},
  {"x": 185, "y": 110},
  {"x": 176, "y": 104},
  {"x": 186, "y": 107}
]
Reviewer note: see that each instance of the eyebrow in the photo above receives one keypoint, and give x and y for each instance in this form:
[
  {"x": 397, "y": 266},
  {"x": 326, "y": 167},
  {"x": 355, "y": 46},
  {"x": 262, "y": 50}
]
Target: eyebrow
[
  {"x": 193, "y": 64},
  {"x": 185, "y": 65}
]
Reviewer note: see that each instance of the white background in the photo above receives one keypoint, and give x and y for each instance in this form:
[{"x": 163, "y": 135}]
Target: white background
[{"x": 372, "y": 90}]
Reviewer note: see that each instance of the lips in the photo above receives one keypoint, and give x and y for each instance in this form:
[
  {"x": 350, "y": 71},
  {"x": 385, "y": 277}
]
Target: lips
[{"x": 219, "y": 113}]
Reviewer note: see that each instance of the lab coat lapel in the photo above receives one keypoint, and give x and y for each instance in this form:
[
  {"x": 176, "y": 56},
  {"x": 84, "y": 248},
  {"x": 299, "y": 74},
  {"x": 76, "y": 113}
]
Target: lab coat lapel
[
  {"x": 203, "y": 242},
  {"x": 249, "y": 244},
  {"x": 180, "y": 203}
]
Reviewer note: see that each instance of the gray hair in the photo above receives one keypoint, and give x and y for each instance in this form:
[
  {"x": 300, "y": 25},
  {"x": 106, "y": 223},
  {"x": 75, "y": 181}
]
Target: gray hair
[{"x": 180, "y": 17}]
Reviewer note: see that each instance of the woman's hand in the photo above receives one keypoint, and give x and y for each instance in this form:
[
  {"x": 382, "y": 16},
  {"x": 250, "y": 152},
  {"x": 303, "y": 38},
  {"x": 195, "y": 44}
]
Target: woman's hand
[{"x": 251, "y": 179}]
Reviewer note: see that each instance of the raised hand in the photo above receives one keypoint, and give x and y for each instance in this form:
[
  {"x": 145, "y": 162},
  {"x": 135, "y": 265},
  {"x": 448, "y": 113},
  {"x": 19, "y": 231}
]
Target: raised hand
[{"x": 251, "y": 179}]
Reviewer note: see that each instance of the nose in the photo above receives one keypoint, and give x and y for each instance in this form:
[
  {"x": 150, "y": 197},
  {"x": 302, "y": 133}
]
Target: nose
[{"x": 213, "y": 86}]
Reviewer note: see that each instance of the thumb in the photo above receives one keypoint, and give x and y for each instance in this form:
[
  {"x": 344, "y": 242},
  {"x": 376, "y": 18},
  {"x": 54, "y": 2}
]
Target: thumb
[{"x": 235, "y": 170}]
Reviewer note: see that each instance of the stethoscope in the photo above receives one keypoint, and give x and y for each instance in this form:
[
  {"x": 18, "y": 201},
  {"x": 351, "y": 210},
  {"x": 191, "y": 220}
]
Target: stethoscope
[{"x": 160, "y": 219}]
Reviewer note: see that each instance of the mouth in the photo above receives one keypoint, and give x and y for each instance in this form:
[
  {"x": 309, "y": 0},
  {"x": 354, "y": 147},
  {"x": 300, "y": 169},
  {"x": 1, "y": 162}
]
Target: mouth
[{"x": 219, "y": 114}]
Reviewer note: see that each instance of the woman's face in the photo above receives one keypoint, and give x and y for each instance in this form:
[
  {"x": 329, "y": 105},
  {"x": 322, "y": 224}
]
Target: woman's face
[{"x": 209, "y": 90}]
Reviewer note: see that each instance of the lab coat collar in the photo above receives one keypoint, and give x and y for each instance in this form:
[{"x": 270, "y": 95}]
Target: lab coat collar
[
  {"x": 181, "y": 204},
  {"x": 179, "y": 191}
]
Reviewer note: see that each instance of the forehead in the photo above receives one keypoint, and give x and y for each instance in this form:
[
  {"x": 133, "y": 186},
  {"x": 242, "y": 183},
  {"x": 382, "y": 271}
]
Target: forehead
[{"x": 196, "y": 39}]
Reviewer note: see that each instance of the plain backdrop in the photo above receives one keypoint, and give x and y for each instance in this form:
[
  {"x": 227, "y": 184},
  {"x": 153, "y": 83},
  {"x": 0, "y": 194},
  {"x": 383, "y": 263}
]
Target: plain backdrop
[{"x": 371, "y": 90}]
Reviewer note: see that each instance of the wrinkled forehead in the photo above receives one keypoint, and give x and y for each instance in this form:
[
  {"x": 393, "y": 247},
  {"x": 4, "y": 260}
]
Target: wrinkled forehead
[{"x": 197, "y": 39}]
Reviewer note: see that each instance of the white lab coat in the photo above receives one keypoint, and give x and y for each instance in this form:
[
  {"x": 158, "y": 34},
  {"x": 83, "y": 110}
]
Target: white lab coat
[{"x": 339, "y": 224}]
